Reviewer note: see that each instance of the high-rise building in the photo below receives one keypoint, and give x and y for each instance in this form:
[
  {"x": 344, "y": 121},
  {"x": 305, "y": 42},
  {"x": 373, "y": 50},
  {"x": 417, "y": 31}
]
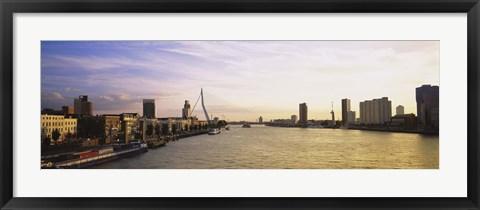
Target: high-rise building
[
  {"x": 303, "y": 112},
  {"x": 67, "y": 110},
  {"x": 345, "y": 110},
  {"x": 351, "y": 116},
  {"x": 400, "y": 110},
  {"x": 260, "y": 119},
  {"x": 149, "y": 109},
  {"x": 376, "y": 111},
  {"x": 81, "y": 106},
  {"x": 186, "y": 110},
  {"x": 427, "y": 97},
  {"x": 294, "y": 119}
]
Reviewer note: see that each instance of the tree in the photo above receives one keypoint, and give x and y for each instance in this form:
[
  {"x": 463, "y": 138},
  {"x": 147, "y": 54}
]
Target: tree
[
  {"x": 222, "y": 123},
  {"x": 46, "y": 141},
  {"x": 69, "y": 135},
  {"x": 164, "y": 129},
  {"x": 55, "y": 135},
  {"x": 149, "y": 130},
  {"x": 157, "y": 130}
]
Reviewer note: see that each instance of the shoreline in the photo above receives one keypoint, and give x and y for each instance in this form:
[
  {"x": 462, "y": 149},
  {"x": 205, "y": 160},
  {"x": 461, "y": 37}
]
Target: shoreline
[
  {"x": 397, "y": 131},
  {"x": 371, "y": 129}
]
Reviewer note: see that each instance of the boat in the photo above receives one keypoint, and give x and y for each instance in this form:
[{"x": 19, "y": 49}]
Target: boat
[
  {"x": 214, "y": 131},
  {"x": 246, "y": 125}
]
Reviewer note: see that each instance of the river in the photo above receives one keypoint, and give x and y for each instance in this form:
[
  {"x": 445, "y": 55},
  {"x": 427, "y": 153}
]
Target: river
[{"x": 263, "y": 147}]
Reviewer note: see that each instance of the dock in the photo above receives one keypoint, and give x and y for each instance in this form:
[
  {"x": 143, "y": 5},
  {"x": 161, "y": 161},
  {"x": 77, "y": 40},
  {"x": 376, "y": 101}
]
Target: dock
[
  {"x": 94, "y": 156},
  {"x": 98, "y": 159}
]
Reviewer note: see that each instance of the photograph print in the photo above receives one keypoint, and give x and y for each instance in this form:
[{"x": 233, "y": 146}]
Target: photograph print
[{"x": 240, "y": 104}]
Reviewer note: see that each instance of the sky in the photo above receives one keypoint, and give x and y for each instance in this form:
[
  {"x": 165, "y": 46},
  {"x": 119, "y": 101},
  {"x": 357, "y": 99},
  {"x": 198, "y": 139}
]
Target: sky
[{"x": 241, "y": 80}]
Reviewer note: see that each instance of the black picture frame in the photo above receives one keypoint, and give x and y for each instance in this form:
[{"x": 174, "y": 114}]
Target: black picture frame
[{"x": 10, "y": 7}]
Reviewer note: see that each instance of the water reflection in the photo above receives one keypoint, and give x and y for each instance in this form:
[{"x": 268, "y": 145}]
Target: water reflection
[{"x": 262, "y": 147}]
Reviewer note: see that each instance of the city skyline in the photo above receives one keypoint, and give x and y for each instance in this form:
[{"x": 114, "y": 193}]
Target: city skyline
[{"x": 242, "y": 80}]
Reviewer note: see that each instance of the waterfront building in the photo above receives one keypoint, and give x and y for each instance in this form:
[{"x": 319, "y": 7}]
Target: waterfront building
[
  {"x": 260, "y": 119},
  {"x": 91, "y": 127},
  {"x": 146, "y": 124},
  {"x": 435, "y": 118},
  {"x": 67, "y": 110},
  {"x": 376, "y": 111},
  {"x": 400, "y": 110},
  {"x": 404, "y": 122},
  {"x": 283, "y": 123},
  {"x": 345, "y": 110},
  {"x": 107, "y": 128},
  {"x": 130, "y": 125},
  {"x": 186, "y": 110},
  {"x": 294, "y": 119},
  {"x": 81, "y": 106},
  {"x": 351, "y": 116},
  {"x": 303, "y": 112},
  {"x": 196, "y": 124},
  {"x": 51, "y": 111},
  {"x": 363, "y": 112},
  {"x": 113, "y": 127},
  {"x": 176, "y": 124},
  {"x": 63, "y": 125},
  {"x": 149, "y": 109},
  {"x": 427, "y": 97}
]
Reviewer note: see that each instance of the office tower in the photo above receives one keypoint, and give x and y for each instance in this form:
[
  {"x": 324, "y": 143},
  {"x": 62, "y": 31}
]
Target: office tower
[
  {"x": 400, "y": 110},
  {"x": 427, "y": 98},
  {"x": 81, "y": 106},
  {"x": 351, "y": 116},
  {"x": 303, "y": 112},
  {"x": 186, "y": 110},
  {"x": 149, "y": 108},
  {"x": 376, "y": 111},
  {"x": 345, "y": 110}
]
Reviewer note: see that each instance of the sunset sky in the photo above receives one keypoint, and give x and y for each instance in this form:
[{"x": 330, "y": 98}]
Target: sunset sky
[{"x": 242, "y": 80}]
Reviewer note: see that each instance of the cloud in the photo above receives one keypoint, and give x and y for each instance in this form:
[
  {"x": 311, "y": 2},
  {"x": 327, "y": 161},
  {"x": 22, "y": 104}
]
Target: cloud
[
  {"x": 52, "y": 95},
  {"x": 70, "y": 89},
  {"x": 108, "y": 98},
  {"x": 275, "y": 75}
]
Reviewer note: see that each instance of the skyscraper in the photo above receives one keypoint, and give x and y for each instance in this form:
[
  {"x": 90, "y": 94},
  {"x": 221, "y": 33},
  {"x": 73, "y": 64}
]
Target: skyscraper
[
  {"x": 351, "y": 116},
  {"x": 400, "y": 110},
  {"x": 81, "y": 106},
  {"x": 345, "y": 110},
  {"x": 149, "y": 108},
  {"x": 260, "y": 119},
  {"x": 427, "y": 97},
  {"x": 376, "y": 111},
  {"x": 303, "y": 112},
  {"x": 186, "y": 110}
]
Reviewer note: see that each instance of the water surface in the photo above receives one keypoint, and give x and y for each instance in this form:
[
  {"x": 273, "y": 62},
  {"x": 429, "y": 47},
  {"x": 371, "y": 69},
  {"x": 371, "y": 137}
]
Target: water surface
[{"x": 263, "y": 147}]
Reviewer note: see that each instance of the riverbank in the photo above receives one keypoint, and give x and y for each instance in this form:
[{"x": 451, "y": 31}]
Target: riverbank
[
  {"x": 395, "y": 130},
  {"x": 71, "y": 157}
]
